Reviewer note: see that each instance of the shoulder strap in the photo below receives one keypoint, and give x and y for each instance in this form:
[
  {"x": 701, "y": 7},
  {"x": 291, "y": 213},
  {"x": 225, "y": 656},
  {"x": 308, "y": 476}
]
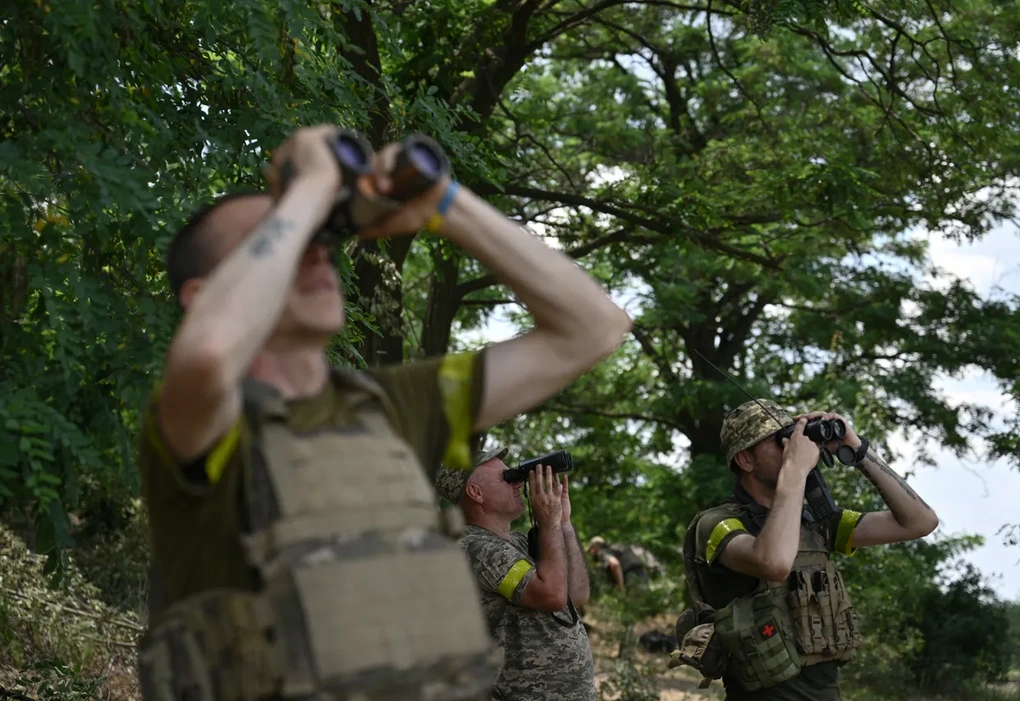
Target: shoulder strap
[
  {"x": 363, "y": 382},
  {"x": 690, "y": 550},
  {"x": 358, "y": 380},
  {"x": 262, "y": 403}
]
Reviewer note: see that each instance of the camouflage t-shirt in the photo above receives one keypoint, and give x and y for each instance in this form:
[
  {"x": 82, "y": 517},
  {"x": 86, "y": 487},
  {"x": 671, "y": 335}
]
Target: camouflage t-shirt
[
  {"x": 196, "y": 511},
  {"x": 542, "y": 659},
  {"x": 715, "y": 529}
]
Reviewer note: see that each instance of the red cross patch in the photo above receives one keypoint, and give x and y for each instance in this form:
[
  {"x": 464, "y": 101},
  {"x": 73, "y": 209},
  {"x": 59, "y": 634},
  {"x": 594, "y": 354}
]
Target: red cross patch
[{"x": 768, "y": 630}]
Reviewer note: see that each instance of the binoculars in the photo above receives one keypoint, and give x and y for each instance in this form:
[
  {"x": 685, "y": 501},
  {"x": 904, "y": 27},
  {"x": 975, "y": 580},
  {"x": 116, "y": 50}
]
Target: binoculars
[
  {"x": 559, "y": 461},
  {"x": 822, "y": 431},
  {"x": 818, "y": 430},
  {"x": 420, "y": 163}
]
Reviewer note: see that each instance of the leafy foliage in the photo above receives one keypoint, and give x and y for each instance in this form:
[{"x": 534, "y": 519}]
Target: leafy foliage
[{"x": 748, "y": 176}]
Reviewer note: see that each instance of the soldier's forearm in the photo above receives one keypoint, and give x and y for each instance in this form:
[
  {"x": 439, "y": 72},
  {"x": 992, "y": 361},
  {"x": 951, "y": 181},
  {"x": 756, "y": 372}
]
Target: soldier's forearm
[
  {"x": 906, "y": 506},
  {"x": 577, "y": 570}
]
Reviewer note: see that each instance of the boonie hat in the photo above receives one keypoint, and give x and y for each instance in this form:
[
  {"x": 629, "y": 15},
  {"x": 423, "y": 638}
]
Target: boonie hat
[{"x": 749, "y": 423}]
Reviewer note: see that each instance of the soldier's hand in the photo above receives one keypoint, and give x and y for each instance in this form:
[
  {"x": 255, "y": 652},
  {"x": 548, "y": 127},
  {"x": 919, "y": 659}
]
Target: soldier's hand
[
  {"x": 800, "y": 453},
  {"x": 304, "y": 156},
  {"x": 415, "y": 213},
  {"x": 546, "y": 493}
]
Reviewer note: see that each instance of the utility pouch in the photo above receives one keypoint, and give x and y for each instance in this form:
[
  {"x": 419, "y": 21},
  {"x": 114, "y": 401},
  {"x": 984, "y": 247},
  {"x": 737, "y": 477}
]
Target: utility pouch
[
  {"x": 761, "y": 652},
  {"x": 698, "y": 646},
  {"x": 216, "y": 646}
]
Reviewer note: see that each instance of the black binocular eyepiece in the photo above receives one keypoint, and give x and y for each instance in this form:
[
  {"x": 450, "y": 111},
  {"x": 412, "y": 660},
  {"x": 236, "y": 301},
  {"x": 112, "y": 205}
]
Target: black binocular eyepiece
[
  {"x": 559, "y": 461},
  {"x": 818, "y": 430}
]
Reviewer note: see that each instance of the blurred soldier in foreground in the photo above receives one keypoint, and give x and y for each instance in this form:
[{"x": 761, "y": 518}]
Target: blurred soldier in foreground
[
  {"x": 774, "y": 619},
  {"x": 529, "y": 599},
  {"x": 298, "y": 550}
]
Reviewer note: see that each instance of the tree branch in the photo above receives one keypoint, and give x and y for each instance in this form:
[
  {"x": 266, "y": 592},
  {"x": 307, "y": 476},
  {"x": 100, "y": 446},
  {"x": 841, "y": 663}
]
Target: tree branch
[
  {"x": 665, "y": 228},
  {"x": 479, "y": 283},
  {"x": 592, "y": 411}
]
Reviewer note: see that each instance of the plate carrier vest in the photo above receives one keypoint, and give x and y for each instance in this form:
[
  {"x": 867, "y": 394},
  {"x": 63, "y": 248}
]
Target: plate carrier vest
[
  {"x": 813, "y": 606},
  {"x": 364, "y": 594}
]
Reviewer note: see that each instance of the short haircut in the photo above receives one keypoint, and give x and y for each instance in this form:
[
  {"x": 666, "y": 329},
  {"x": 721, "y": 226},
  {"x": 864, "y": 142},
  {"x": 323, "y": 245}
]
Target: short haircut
[{"x": 190, "y": 253}]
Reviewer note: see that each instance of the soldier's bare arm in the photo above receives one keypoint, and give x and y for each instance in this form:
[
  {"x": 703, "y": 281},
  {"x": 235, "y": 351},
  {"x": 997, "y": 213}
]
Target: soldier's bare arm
[
  {"x": 578, "y": 585},
  {"x": 576, "y": 323},
  {"x": 908, "y": 517},
  {"x": 616, "y": 570},
  {"x": 771, "y": 553},
  {"x": 240, "y": 304},
  {"x": 547, "y": 590}
]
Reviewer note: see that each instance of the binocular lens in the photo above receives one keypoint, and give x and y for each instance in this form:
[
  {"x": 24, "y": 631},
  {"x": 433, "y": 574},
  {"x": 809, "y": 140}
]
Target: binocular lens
[
  {"x": 350, "y": 152},
  {"x": 424, "y": 160},
  {"x": 838, "y": 428},
  {"x": 825, "y": 430}
]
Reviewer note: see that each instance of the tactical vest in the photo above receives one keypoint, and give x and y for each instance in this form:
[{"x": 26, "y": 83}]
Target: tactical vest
[
  {"x": 780, "y": 627},
  {"x": 363, "y": 593}
]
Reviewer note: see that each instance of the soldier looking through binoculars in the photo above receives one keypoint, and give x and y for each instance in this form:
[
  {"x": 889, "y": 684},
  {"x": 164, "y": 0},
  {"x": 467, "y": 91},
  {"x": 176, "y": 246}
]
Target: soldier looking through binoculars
[
  {"x": 773, "y": 618},
  {"x": 298, "y": 551}
]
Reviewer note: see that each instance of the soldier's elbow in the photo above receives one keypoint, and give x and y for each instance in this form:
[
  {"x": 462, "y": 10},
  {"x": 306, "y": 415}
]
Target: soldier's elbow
[{"x": 928, "y": 526}]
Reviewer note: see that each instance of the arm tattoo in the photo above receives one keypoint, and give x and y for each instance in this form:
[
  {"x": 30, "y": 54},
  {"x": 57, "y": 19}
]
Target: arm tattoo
[
  {"x": 884, "y": 467},
  {"x": 267, "y": 235}
]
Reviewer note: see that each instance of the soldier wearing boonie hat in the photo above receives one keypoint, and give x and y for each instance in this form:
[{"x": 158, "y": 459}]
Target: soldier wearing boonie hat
[{"x": 749, "y": 423}]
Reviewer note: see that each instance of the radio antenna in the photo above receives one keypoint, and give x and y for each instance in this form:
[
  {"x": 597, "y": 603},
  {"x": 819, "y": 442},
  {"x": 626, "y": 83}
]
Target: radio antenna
[{"x": 750, "y": 396}]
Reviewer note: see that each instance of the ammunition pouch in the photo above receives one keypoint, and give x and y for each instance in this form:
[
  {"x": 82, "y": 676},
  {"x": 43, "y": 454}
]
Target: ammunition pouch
[
  {"x": 824, "y": 622},
  {"x": 761, "y": 649}
]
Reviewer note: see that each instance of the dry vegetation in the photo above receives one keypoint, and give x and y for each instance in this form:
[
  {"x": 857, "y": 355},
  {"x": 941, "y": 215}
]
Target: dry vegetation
[
  {"x": 60, "y": 644},
  {"x": 67, "y": 644}
]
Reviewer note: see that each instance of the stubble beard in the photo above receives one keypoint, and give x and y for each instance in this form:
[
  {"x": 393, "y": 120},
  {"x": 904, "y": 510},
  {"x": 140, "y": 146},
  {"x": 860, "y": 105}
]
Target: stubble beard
[{"x": 762, "y": 477}]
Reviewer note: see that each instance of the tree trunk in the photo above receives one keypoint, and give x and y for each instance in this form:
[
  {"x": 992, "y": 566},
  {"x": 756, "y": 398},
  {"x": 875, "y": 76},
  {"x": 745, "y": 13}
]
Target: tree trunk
[{"x": 441, "y": 306}]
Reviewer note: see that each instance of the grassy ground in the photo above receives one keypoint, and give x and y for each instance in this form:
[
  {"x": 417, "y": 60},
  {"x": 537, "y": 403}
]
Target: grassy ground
[
  {"x": 647, "y": 677},
  {"x": 77, "y": 643}
]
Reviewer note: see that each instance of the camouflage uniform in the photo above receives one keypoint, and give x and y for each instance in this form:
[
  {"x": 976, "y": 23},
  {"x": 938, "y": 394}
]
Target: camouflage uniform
[
  {"x": 818, "y": 680},
  {"x": 544, "y": 658}
]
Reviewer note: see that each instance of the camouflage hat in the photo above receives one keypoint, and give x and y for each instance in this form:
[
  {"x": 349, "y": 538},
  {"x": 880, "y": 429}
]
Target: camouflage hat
[
  {"x": 749, "y": 423},
  {"x": 597, "y": 540},
  {"x": 450, "y": 481}
]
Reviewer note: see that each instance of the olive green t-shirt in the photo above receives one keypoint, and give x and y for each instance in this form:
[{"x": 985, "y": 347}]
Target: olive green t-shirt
[
  {"x": 197, "y": 512},
  {"x": 715, "y": 529}
]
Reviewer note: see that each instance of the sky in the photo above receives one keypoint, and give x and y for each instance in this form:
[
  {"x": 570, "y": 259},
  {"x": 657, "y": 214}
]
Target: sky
[{"x": 974, "y": 495}]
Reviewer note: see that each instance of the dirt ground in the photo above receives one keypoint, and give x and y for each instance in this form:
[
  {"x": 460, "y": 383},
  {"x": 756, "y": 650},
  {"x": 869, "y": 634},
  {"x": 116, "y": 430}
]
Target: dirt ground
[{"x": 679, "y": 684}]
